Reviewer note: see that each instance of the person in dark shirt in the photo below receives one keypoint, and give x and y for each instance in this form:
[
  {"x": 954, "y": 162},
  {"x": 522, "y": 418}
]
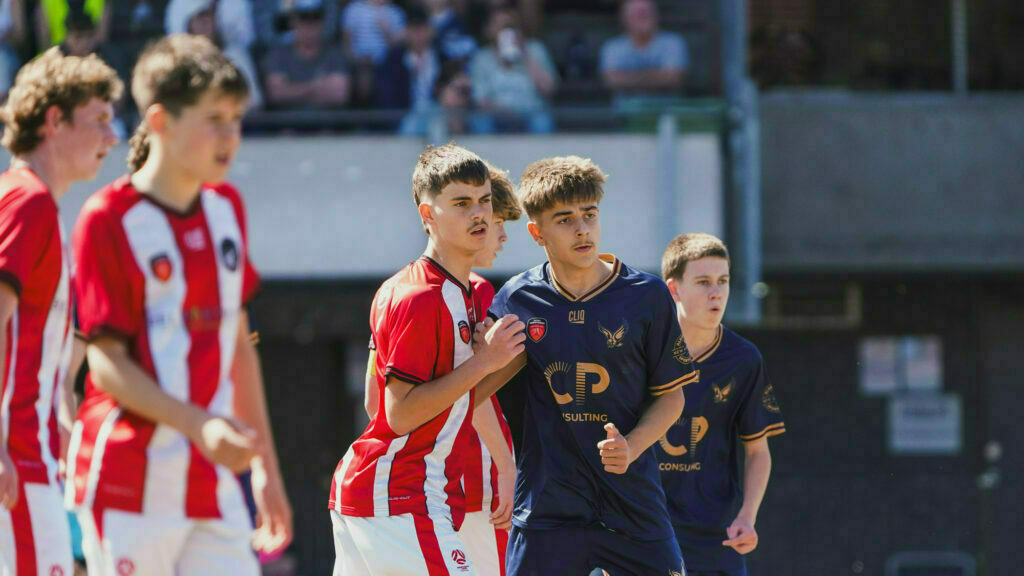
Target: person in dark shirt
[
  {"x": 605, "y": 370},
  {"x": 713, "y": 506},
  {"x": 307, "y": 72}
]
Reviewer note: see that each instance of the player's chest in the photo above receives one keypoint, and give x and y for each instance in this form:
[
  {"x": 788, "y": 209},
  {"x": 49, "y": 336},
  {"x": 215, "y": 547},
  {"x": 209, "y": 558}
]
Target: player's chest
[
  {"x": 580, "y": 332},
  {"x": 716, "y": 397}
]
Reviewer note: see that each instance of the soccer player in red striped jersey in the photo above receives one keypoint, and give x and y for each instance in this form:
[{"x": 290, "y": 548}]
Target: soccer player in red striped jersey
[
  {"x": 57, "y": 127},
  {"x": 174, "y": 402},
  {"x": 397, "y": 500},
  {"x": 489, "y": 478}
]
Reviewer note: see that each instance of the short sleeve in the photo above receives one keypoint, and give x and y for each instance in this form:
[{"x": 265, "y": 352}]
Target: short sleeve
[
  {"x": 669, "y": 365},
  {"x": 760, "y": 415},
  {"x": 674, "y": 56},
  {"x": 106, "y": 300},
  {"x": 609, "y": 56},
  {"x": 26, "y": 227},
  {"x": 413, "y": 339},
  {"x": 499, "y": 306},
  {"x": 540, "y": 54}
]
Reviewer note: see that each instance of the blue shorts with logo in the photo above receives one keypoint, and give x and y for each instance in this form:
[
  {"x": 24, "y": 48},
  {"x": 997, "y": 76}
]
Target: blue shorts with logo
[{"x": 580, "y": 549}]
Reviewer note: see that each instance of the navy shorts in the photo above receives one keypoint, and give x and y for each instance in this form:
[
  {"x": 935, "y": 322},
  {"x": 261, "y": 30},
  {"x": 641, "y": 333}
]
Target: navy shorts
[{"x": 580, "y": 549}]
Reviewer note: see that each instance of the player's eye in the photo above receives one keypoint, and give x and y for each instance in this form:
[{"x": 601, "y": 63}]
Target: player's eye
[
  {"x": 460, "y": 204},
  {"x": 703, "y": 282}
]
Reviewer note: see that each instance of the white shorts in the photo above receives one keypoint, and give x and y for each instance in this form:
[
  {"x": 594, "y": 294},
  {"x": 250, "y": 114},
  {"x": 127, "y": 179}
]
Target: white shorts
[
  {"x": 35, "y": 537},
  {"x": 485, "y": 544},
  {"x": 137, "y": 545},
  {"x": 404, "y": 545}
]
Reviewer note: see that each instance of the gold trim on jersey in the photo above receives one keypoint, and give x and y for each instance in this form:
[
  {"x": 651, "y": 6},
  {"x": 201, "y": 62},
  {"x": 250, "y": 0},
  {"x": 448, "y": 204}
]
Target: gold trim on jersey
[
  {"x": 768, "y": 432},
  {"x": 675, "y": 384},
  {"x": 616, "y": 270},
  {"x": 714, "y": 346}
]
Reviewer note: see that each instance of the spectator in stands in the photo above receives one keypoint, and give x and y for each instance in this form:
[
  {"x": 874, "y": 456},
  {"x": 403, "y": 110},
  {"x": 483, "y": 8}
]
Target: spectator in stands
[
  {"x": 645, "y": 63},
  {"x": 132, "y": 24},
  {"x": 451, "y": 35},
  {"x": 12, "y": 33},
  {"x": 513, "y": 77},
  {"x": 228, "y": 23},
  {"x": 370, "y": 28},
  {"x": 453, "y": 107},
  {"x": 306, "y": 72},
  {"x": 406, "y": 78}
]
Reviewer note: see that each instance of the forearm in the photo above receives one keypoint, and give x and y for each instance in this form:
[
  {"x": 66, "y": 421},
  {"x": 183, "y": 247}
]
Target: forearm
[
  {"x": 116, "y": 373},
  {"x": 493, "y": 382},
  {"x": 281, "y": 91},
  {"x": 409, "y": 407},
  {"x": 250, "y": 401},
  {"x": 757, "y": 470},
  {"x": 543, "y": 79},
  {"x": 66, "y": 403},
  {"x": 485, "y": 421},
  {"x": 655, "y": 422}
]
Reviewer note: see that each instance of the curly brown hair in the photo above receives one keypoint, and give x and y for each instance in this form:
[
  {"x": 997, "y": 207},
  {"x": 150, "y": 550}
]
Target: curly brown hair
[
  {"x": 562, "y": 179},
  {"x": 504, "y": 203},
  {"x": 53, "y": 79},
  {"x": 175, "y": 72}
]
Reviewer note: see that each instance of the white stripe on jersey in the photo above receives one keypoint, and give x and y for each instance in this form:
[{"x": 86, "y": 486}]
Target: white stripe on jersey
[
  {"x": 339, "y": 479},
  {"x": 12, "y": 355},
  {"x": 382, "y": 477},
  {"x": 53, "y": 356},
  {"x": 97, "y": 456},
  {"x": 224, "y": 228},
  {"x": 437, "y": 498},
  {"x": 74, "y": 446},
  {"x": 150, "y": 237},
  {"x": 485, "y": 476}
]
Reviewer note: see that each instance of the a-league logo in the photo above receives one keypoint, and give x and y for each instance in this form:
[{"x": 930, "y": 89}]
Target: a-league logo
[
  {"x": 459, "y": 557},
  {"x": 56, "y": 570}
]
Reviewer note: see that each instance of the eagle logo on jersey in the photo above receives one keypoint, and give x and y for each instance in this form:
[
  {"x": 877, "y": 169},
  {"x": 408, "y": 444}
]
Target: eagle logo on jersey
[
  {"x": 722, "y": 394},
  {"x": 680, "y": 352},
  {"x": 229, "y": 253},
  {"x": 161, "y": 267},
  {"x": 768, "y": 400},
  {"x": 464, "y": 331},
  {"x": 614, "y": 339},
  {"x": 536, "y": 328}
]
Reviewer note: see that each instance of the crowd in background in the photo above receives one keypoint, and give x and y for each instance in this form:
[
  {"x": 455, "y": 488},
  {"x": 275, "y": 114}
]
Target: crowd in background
[{"x": 481, "y": 61}]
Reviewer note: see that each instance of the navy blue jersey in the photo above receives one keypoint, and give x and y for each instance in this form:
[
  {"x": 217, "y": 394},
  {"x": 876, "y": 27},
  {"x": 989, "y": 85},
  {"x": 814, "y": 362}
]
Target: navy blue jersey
[
  {"x": 593, "y": 359},
  {"x": 699, "y": 457}
]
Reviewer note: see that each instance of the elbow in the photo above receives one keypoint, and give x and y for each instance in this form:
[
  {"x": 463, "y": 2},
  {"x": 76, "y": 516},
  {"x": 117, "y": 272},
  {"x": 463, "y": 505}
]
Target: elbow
[
  {"x": 399, "y": 423},
  {"x": 676, "y": 400}
]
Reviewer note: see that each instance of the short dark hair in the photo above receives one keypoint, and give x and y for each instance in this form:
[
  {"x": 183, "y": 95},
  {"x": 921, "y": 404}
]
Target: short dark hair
[
  {"x": 687, "y": 248},
  {"x": 439, "y": 166},
  {"x": 562, "y": 179}
]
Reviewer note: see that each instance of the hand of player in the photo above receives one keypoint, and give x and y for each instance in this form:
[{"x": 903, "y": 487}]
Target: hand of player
[
  {"x": 8, "y": 481},
  {"x": 274, "y": 526},
  {"x": 501, "y": 517},
  {"x": 502, "y": 343},
  {"x": 480, "y": 333},
  {"x": 742, "y": 536},
  {"x": 615, "y": 452},
  {"x": 227, "y": 442}
]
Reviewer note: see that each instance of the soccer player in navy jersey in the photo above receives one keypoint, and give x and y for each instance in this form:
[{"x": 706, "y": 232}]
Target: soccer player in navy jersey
[
  {"x": 605, "y": 366},
  {"x": 713, "y": 508}
]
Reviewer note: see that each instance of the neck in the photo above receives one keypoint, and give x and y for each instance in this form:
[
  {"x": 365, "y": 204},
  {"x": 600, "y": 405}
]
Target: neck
[
  {"x": 46, "y": 166},
  {"x": 698, "y": 340},
  {"x": 307, "y": 50},
  {"x": 169, "y": 186},
  {"x": 456, "y": 263},
  {"x": 641, "y": 40},
  {"x": 577, "y": 280}
]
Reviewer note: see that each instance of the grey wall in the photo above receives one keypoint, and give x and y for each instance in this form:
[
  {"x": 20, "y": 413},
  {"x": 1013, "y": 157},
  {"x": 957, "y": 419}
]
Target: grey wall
[{"x": 893, "y": 182}]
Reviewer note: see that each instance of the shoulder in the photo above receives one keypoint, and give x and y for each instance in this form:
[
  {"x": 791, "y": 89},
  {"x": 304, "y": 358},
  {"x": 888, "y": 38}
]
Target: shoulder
[
  {"x": 26, "y": 199},
  {"x": 111, "y": 201},
  {"x": 615, "y": 45},
  {"x": 521, "y": 281},
  {"x": 412, "y": 287},
  {"x": 742, "y": 350},
  {"x": 670, "y": 40},
  {"x": 644, "y": 284}
]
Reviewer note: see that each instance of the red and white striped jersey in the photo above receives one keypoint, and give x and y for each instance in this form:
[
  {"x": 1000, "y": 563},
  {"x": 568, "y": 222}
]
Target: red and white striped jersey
[
  {"x": 34, "y": 261},
  {"x": 481, "y": 477},
  {"x": 171, "y": 286},
  {"x": 422, "y": 322}
]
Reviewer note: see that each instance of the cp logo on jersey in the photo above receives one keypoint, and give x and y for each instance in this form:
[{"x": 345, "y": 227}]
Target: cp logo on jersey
[
  {"x": 464, "y": 331},
  {"x": 536, "y": 328},
  {"x": 161, "y": 267},
  {"x": 698, "y": 428},
  {"x": 583, "y": 370}
]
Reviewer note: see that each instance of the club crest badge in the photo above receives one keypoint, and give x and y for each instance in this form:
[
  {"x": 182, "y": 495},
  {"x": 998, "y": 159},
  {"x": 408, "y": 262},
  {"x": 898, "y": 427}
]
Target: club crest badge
[
  {"x": 464, "y": 332},
  {"x": 161, "y": 267},
  {"x": 613, "y": 339},
  {"x": 536, "y": 328},
  {"x": 229, "y": 254},
  {"x": 768, "y": 400},
  {"x": 680, "y": 352}
]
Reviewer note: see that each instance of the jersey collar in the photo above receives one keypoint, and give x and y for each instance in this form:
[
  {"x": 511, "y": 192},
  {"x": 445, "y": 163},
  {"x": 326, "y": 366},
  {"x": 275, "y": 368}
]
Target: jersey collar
[
  {"x": 608, "y": 281},
  {"x": 467, "y": 291},
  {"x": 714, "y": 346}
]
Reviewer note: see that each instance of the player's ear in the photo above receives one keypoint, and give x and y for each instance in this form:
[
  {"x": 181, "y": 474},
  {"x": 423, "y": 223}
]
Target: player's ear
[
  {"x": 156, "y": 118},
  {"x": 426, "y": 215},
  {"x": 673, "y": 286},
  {"x": 535, "y": 233}
]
